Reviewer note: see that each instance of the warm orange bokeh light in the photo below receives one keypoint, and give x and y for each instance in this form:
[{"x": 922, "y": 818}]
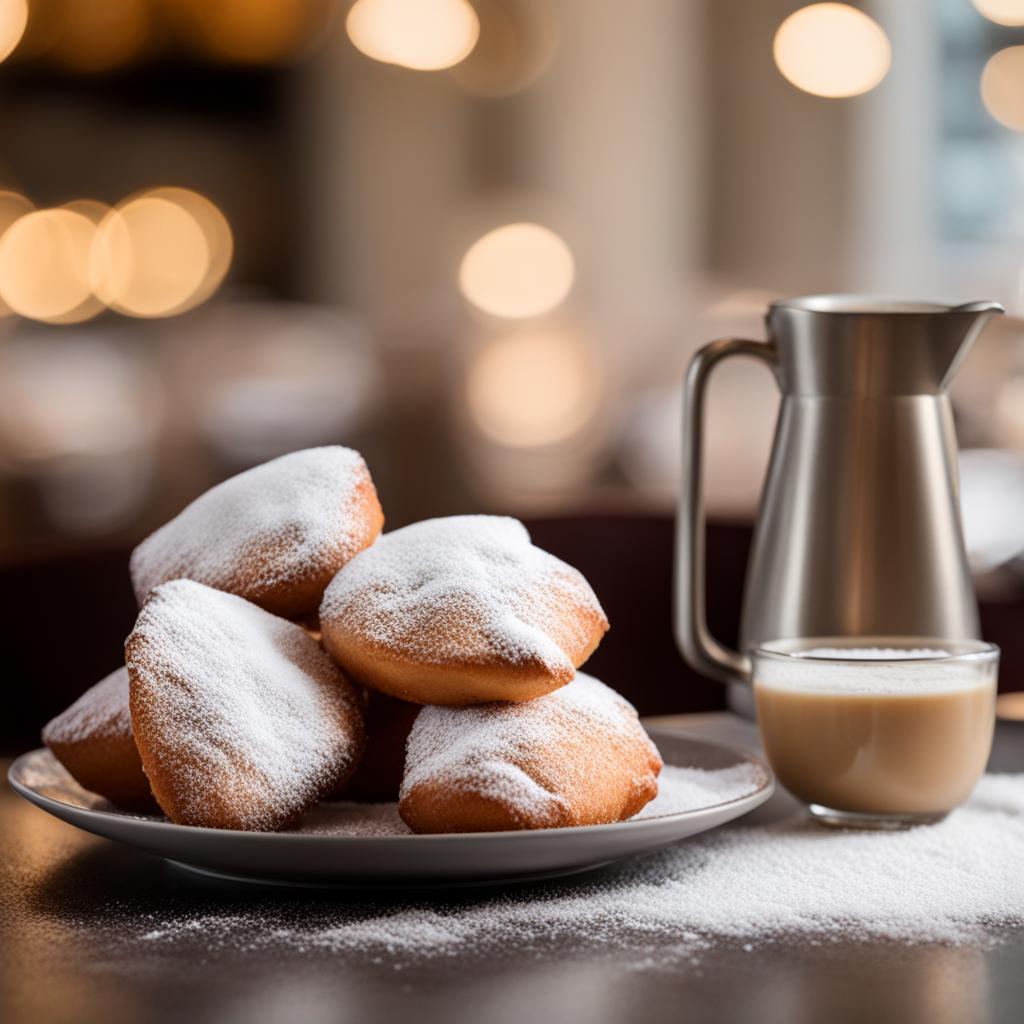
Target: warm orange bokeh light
[
  {"x": 1002, "y": 87},
  {"x": 424, "y": 35},
  {"x": 258, "y": 31},
  {"x": 158, "y": 254},
  {"x": 91, "y": 208},
  {"x": 13, "y": 19},
  {"x": 832, "y": 50},
  {"x": 1002, "y": 12},
  {"x": 13, "y": 205},
  {"x": 519, "y": 270},
  {"x": 44, "y": 266},
  {"x": 531, "y": 389},
  {"x": 517, "y": 44},
  {"x": 220, "y": 242},
  {"x": 100, "y": 35},
  {"x": 151, "y": 258}
]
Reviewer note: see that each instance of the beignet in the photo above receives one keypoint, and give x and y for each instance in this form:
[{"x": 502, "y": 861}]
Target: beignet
[
  {"x": 578, "y": 756},
  {"x": 275, "y": 534},
  {"x": 460, "y": 610},
  {"x": 241, "y": 719},
  {"x": 93, "y": 740}
]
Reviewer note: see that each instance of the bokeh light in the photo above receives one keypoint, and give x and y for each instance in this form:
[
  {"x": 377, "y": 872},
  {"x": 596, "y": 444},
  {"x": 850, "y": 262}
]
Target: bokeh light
[
  {"x": 157, "y": 254},
  {"x": 530, "y": 389},
  {"x": 13, "y": 205},
  {"x": 1002, "y": 12},
  {"x": 100, "y": 35},
  {"x": 518, "y": 270},
  {"x": 1002, "y": 87},
  {"x": 91, "y": 208},
  {"x": 44, "y": 266},
  {"x": 832, "y": 50},
  {"x": 151, "y": 258},
  {"x": 80, "y": 414},
  {"x": 518, "y": 41},
  {"x": 216, "y": 230},
  {"x": 424, "y": 35},
  {"x": 13, "y": 19},
  {"x": 257, "y": 31},
  {"x": 273, "y": 377}
]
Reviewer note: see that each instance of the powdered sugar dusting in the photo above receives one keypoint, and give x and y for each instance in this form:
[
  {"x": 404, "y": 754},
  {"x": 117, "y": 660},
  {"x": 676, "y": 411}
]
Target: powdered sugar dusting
[
  {"x": 347, "y": 819},
  {"x": 488, "y": 749},
  {"x": 102, "y": 711},
  {"x": 690, "y": 789},
  {"x": 464, "y": 589},
  {"x": 958, "y": 882},
  {"x": 243, "y": 710},
  {"x": 262, "y": 528}
]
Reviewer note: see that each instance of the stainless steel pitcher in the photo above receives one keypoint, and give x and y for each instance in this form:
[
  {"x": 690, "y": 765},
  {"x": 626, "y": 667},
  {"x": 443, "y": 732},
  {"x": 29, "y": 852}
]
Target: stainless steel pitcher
[{"x": 859, "y": 529}]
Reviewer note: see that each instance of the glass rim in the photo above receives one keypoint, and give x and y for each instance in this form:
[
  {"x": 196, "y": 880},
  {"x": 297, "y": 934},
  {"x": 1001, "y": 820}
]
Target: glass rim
[{"x": 977, "y": 650}]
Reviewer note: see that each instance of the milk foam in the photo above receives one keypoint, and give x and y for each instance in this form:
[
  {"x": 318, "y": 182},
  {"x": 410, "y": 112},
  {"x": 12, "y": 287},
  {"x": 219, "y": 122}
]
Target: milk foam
[
  {"x": 924, "y": 671},
  {"x": 873, "y": 653}
]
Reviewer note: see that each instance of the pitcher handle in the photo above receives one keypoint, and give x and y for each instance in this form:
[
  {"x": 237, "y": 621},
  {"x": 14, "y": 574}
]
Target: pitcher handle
[{"x": 699, "y": 647}]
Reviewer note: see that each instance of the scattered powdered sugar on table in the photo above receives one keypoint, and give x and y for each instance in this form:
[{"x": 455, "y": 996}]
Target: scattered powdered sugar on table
[
  {"x": 958, "y": 882},
  {"x": 679, "y": 790},
  {"x": 464, "y": 589}
]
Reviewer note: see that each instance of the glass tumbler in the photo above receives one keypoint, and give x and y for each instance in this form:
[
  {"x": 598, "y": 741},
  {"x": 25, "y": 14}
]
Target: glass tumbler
[{"x": 876, "y": 732}]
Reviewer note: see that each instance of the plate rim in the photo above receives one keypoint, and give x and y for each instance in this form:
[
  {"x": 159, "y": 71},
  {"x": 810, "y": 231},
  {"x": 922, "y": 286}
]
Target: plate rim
[{"x": 757, "y": 796}]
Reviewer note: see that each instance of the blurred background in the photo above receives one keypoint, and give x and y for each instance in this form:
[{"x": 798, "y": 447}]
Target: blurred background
[{"x": 478, "y": 240}]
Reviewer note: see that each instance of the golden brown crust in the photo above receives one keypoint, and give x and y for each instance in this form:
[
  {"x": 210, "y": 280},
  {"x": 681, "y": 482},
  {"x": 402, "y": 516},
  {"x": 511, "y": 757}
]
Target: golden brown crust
[
  {"x": 432, "y": 809},
  {"x": 577, "y": 757},
  {"x": 93, "y": 740},
  {"x": 110, "y": 766},
  {"x": 612, "y": 784},
  {"x": 378, "y": 668}
]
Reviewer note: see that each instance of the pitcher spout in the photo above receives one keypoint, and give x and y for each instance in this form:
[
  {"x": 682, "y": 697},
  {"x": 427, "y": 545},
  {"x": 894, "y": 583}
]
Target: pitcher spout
[
  {"x": 872, "y": 346},
  {"x": 970, "y": 318}
]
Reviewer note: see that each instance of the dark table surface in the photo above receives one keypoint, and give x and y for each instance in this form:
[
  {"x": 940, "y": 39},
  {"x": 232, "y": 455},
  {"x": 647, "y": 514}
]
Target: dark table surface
[{"x": 75, "y": 910}]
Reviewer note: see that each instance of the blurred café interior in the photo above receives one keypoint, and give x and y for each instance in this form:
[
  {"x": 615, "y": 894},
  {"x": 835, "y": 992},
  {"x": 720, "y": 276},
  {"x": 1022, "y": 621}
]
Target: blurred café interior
[{"x": 478, "y": 240}]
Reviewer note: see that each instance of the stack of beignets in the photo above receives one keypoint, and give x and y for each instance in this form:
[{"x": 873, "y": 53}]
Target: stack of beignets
[{"x": 228, "y": 715}]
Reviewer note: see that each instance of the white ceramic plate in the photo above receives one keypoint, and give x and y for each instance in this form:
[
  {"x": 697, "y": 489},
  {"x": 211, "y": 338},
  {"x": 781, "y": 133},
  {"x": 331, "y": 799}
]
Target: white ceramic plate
[{"x": 466, "y": 858}]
